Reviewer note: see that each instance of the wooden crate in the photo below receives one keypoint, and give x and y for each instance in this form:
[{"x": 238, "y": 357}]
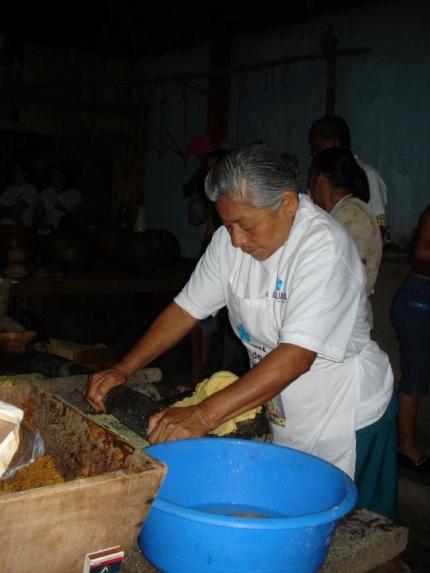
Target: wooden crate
[{"x": 51, "y": 528}]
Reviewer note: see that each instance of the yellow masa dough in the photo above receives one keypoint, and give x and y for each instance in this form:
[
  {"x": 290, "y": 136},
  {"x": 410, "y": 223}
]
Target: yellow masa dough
[{"x": 210, "y": 386}]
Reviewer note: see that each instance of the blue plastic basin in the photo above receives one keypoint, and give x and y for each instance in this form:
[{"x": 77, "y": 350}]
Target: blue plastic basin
[{"x": 239, "y": 506}]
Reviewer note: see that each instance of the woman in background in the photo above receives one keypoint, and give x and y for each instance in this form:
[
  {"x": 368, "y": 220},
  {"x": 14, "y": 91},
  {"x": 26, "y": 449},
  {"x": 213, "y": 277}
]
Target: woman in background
[
  {"x": 18, "y": 201},
  {"x": 410, "y": 317},
  {"x": 59, "y": 201},
  {"x": 337, "y": 185}
]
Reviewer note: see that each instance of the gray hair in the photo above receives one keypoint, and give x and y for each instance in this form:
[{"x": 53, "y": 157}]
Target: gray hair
[{"x": 253, "y": 173}]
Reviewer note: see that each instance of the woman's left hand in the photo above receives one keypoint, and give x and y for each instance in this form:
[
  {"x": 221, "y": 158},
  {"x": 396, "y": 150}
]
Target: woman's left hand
[{"x": 177, "y": 424}]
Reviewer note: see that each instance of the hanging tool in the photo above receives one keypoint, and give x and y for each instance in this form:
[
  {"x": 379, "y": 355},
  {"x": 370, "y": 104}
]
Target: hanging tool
[
  {"x": 242, "y": 94},
  {"x": 185, "y": 150},
  {"x": 172, "y": 144},
  {"x": 161, "y": 148},
  {"x": 284, "y": 79}
]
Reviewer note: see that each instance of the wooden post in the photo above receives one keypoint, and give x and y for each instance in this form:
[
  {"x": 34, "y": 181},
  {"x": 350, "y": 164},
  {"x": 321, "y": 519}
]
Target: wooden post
[
  {"x": 128, "y": 173},
  {"x": 219, "y": 89},
  {"x": 328, "y": 44}
]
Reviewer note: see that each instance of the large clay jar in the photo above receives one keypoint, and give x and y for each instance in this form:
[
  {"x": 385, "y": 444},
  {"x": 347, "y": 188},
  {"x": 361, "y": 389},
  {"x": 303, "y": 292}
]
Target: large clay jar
[
  {"x": 69, "y": 250},
  {"x": 17, "y": 237},
  {"x": 106, "y": 242},
  {"x": 151, "y": 251}
]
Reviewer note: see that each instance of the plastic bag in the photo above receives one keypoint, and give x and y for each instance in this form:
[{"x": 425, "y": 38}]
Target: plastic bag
[
  {"x": 10, "y": 419},
  {"x": 31, "y": 447}
]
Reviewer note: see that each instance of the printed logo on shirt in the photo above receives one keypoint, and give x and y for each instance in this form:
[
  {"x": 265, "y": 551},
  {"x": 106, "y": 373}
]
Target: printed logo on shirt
[
  {"x": 262, "y": 348},
  {"x": 243, "y": 334},
  {"x": 256, "y": 356},
  {"x": 275, "y": 411},
  {"x": 277, "y": 294}
]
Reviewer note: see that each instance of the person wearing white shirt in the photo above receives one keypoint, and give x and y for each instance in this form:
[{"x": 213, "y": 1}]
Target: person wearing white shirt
[
  {"x": 333, "y": 131},
  {"x": 59, "y": 200},
  {"x": 18, "y": 201},
  {"x": 294, "y": 287}
]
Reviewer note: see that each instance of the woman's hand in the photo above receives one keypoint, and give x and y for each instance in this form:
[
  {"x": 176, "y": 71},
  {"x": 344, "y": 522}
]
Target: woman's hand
[
  {"x": 99, "y": 385},
  {"x": 177, "y": 424}
]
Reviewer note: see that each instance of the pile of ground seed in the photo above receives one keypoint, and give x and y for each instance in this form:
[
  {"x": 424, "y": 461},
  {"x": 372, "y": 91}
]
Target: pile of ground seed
[{"x": 40, "y": 473}]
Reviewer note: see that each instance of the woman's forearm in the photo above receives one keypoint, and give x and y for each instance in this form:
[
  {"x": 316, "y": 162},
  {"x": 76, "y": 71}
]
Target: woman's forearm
[
  {"x": 259, "y": 385},
  {"x": 167, "y": 329}
]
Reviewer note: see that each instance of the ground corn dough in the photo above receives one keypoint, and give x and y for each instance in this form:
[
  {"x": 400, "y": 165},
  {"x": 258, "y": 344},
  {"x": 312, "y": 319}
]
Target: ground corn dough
[{"x": 210, "y": 386}]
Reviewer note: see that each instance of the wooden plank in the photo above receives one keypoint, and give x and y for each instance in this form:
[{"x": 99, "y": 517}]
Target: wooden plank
[
  {"x": 219, "y": 89},
  {"x": 40, "y": 126},
  {"x": 364, "y": 540},
  {"x": 68, "y": 286}
]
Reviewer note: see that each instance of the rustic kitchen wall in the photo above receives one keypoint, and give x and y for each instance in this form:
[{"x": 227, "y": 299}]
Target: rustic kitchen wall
[{"x": 383, "y": 96}]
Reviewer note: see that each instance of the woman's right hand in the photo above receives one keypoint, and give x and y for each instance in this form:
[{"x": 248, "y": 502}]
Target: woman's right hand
[{"x": 99, "y": 385}]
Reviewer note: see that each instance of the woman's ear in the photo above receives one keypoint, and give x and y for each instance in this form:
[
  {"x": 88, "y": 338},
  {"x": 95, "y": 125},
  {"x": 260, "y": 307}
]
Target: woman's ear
[{"x": 290, "y": 202}]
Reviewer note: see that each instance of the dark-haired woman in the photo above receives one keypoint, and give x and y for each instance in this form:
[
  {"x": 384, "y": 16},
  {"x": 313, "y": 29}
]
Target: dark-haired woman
[{"x": 337, "y": 186}]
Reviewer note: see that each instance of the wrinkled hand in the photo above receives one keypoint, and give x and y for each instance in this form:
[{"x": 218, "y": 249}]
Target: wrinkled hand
[
  {"x": 177, "y": 424},
  {"x": 99, "y": 385}
]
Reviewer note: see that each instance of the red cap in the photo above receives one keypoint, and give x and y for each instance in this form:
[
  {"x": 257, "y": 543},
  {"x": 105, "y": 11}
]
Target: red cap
[{"x": 202, "y": 145}]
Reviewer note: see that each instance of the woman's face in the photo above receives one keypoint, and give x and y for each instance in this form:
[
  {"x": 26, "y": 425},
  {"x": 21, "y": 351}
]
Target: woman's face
[
  {"x": 321, "y": 190},
  {"x": 314, "y": 186},
  {"x": 258, "y": 231}
]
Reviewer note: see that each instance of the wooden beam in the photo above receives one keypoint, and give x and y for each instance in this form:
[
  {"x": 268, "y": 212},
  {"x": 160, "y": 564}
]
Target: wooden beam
[
  {"x": 208, "y": 73},
  {"x": 92, "y": 106},
  {"x": 219, "y": 89},
  {"x": 328, "y": 44},
  {"x": 59, "y": 130}
]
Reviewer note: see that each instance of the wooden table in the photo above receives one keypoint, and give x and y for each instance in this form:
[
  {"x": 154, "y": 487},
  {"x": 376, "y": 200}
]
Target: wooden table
[{"x": 96, "y": 284}]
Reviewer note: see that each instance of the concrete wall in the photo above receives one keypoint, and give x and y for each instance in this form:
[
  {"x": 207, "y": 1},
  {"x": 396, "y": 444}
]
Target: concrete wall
[
  {"x": 383, "y": 96},
  {"x": 164, "y": 175}
]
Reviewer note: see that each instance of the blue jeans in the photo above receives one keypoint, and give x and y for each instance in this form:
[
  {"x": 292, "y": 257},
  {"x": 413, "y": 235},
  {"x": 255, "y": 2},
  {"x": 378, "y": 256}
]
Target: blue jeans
[{"x": 410, "y": 317}]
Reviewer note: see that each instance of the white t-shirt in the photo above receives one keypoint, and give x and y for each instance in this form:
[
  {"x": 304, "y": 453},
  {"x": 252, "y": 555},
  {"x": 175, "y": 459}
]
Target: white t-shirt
[
  {"x": 378, "y": 192},
  {"x": 69, "y": 198},
  {"x": 319, "y": 290},
  {"x": 14, "y": 193}
]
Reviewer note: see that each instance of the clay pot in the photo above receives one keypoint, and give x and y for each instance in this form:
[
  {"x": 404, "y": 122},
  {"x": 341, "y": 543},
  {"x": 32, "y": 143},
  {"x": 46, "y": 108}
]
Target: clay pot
[
  {"x": 107, "y": 244},
  {"x": 17, "y": 237},
  {"x": 147, "y": 252},
  {"x": 69, "y": 250},
  {"x": 16, "y": 342},
  {"x": 16, "y": 271}
]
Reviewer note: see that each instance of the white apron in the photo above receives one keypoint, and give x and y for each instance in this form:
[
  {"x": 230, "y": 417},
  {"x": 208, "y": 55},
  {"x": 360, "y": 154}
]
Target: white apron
[{"x": 317, "y": 412}]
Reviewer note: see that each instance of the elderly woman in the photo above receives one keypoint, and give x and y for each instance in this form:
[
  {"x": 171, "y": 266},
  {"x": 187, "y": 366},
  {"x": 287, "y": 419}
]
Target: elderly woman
[{"x": 294, "y": 287}]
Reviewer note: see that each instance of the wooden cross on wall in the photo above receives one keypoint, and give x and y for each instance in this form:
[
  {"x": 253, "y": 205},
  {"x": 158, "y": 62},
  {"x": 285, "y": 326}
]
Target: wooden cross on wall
[{"x": 220, "y": 73}]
